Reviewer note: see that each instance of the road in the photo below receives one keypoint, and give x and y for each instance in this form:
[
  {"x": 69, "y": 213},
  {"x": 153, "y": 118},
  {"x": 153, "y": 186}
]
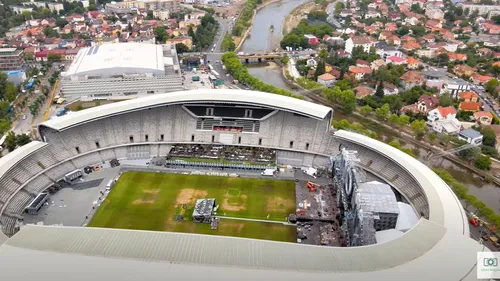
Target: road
[{"x": 24, "y": 125}]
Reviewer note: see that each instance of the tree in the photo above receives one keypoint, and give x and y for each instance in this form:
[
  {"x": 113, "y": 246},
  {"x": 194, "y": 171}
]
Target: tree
[
  {"x": 418, "y": 30},
  {"x": 469, "y": 154},
  {"x": 22, "y": 139},
  {"x": 191, "y": 32},
  {"x": 445, "y": 100},
  {"x": 228, "y": 43},
  {"x": 181, "y": 48},
  {"x": 416, "y": 8},
  {"x": 92, "y": 7},
  {"x": 393, "y": 118},
  {"x": 365, "y": 110},
  {"x": 394, "y": 102},
  {"x": 382, "y": 113},
  {"x": 323, "y": 54},
  {"x": 348, "y": 101},
  {"x": 10, "y": 93},
  {"x": 489, "y": 136},
  {"x": 491, "y": 86},
  {"x": 320, "y": 69},
  {"x": 403, "y": 30},
  {"x": 338, "y": 7},
  {"x": 419, "y": 128},
  {"x": 379, "y": 92},
  {"x": 51, "y": 57},
  {"x": 483, "y": 162},
  {"x": 10, "y": 141},
  {"x": 4, "y": 126},
  {"x": 404, "y": 120},
  {"x": 160, "y": 34}
]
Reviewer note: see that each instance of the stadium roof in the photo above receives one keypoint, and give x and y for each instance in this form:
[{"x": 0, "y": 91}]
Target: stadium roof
[
  {"x": 195, "y": 96},
  {"x": 444, "y": 207},
  {"x": 426, "y": 252},
  {"x": 11, "y": 159},
  {"x": 119, "y": 58}
]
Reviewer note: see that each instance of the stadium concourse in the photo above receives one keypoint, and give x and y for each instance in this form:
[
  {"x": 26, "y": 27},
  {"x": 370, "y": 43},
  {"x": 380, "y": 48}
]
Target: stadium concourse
[{"x": 438, "y": 247}]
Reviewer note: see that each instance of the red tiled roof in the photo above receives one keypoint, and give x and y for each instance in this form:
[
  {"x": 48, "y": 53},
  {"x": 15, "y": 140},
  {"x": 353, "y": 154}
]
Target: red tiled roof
[
  {"x": 396, "y": 59},
  {"x": 468, "y": 95},
  {"x": 326, "y": 77},
  {"x": 480, "y": 114},
  {"x": 469, "y": 106},
  {"x": 445, "y": 111}
]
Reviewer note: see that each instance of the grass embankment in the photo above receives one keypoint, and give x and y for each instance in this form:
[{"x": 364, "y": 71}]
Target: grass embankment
[{"x": 153, "y": 201}]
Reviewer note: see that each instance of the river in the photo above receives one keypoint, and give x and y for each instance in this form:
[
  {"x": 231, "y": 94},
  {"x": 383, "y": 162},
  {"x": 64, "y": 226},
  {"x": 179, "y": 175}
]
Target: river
[{"x": 272, "y": 14}]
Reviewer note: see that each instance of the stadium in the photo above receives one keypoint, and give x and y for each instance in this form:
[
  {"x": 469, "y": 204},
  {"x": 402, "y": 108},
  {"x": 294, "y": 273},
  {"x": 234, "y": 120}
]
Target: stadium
[{"x": 282, "y": 134}]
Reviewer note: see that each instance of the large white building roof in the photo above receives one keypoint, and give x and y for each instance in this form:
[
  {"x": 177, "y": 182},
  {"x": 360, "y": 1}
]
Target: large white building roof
[
  {"x": 195, "y": 96},
  {"x": 117, "y": 59}
]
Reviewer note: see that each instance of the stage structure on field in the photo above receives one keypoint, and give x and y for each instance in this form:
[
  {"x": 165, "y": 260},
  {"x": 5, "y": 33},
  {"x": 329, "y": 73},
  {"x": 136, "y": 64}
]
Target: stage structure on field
[{"x": 204, "y": 210}]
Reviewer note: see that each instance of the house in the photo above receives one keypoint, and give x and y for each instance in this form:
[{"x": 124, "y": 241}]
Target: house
[
  {"x": 468, "y": 96},
  {"x": 432, "y": 24},
  {"x": 446, "y": 126},
  {"x": 479, "y": 79},
  {"x": 457, "y": 57},
  {"x": 384, "y": 35},
  {"x": 364, "y": 41},
  {"x": 412, "y": 63},
  {"x": 377, "y": 63},
  {"x": 429, "y": 38},
  {"x": 396, "y": 60},
  {"x": 312, "y": 63},
  {"x": 363, "y": 91},
  {"x": 471, "y": 136},
  {"x": 453, "y": 86},
  {"x": 362, "y": 63},
  {"x": 313, "y": 40},
  {"x": 426, "y": 103},
  {"x": 385, "y": 50},
  {"x": 326, "y": 79},
  {"x": 411, "y": 46},
  {"x": 70, "y": 54},
  {"x": 359, "y": 72},
  {"x": 442, "y": 113},
  {"x": 470, "y": 106},
  {"x": 434, "y": 13},
  {"x": 77, "y": 18},
  {"x": 483, "y": 117},
  {"x": 463, "y": 70},
  {"x": 394, "y": 40},
  {"x": 186, "y": 40},
  {"x": 411, "y": 79},
  {"x": 390, "y": 89}
]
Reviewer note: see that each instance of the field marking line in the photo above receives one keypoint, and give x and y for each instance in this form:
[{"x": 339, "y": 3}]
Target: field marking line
[{"x": 255, "y": 220}]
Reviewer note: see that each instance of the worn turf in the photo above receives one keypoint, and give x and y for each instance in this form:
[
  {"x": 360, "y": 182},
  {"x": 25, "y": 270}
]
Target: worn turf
[{"x": 153, "y": 201}]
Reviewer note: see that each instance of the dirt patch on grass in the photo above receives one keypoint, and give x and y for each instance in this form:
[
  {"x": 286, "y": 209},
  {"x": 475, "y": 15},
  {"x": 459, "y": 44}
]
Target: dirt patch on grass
[
  {"x": 292, "y": 20},
  {"x": 188, "y": 195},
  {"x": 278, "y": 203},
  {"x": 231, "y": 205},
  {"x": 143, "y": 202},
  {"x": 151, "y": 191}
]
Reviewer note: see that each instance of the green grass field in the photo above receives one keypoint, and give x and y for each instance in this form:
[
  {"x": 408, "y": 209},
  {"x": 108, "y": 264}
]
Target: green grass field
[{"x": 152, "y": 201}]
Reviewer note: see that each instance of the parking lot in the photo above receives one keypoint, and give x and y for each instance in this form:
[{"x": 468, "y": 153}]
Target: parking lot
[{"x": 203, "y": 83}]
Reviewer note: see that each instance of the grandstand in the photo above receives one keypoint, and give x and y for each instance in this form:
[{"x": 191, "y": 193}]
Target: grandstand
[{"x": 301, "y": 135}]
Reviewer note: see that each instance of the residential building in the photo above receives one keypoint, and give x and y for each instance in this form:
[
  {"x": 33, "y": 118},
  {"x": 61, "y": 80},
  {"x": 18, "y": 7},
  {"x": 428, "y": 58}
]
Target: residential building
[
  {"x": 385, "y": 51},
  {"x": 471, "y": 136},
  {"x": 118, "y": 8},
  {"x": 186, "y": 40},
  {"x": 482, "y": 9},
  {"x": 411, "y": 79},
  {"x": 19, "y": 9},
  {"x": 470, "y": 106},
  {"x": 362, "y": 63},
  {"x": 447, "y": 126},
  {"x": 468, "y": 96},
  {"x": 377, "y": 63},
  {"x": 455, "y": 86},
  {"x": 412, "y": 63},
  {"x": 479, "y": 79},
  {"x": 390, "y": 89},
  {"x": 359, "y": 72},
  {"x": 161, "y": 14},
  {"x": 434, "y": 13},
  {"x": 364, "y": 41},
  {"x": 363, "y": 91},
  {"x": 483, "y": 117},
  {"x": 442, "y": 113},
  {"x": 11, "y": 59},
  {"x": 313, "y": 40},
  {"x": 435, "y": 79},
  {"x": 326, "y": 79},
  {"x": 396, "y": 60}
]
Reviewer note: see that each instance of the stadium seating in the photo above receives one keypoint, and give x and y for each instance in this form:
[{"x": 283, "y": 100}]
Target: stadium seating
[
  {"x": 8, "y": 225},
  {"x": 38, "y": 184},
  {"x": 87, "y": 159},
  {"x": 19, "y": 202},
  {"x": 58, "y": 172}
]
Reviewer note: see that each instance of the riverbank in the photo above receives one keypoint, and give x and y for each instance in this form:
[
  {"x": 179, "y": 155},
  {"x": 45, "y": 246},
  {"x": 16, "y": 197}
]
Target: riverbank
[
  {"x": 238, "y": 41},
  {"x": 294, "y": 18}
]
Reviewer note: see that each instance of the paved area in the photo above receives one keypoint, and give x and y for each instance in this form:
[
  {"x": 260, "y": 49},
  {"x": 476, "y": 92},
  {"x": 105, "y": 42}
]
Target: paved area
[{"x": 69, "y": 206}]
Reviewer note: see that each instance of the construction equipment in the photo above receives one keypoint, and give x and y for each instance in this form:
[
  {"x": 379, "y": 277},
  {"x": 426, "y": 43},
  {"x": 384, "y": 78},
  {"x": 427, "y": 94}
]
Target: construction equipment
[{"x": 312, "y": 186}]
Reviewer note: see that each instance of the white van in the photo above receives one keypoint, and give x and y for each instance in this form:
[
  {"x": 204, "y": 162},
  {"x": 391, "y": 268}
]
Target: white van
[{"x": 110, "y": 184}]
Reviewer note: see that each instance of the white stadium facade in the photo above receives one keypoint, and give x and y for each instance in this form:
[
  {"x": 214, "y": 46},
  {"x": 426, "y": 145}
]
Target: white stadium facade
[
  {"x": 121, "y": 71},
  {"x": 438, "y": 247}
]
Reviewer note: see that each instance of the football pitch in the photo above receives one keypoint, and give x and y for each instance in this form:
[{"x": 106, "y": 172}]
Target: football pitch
[{"x": 154, "y": 201}]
